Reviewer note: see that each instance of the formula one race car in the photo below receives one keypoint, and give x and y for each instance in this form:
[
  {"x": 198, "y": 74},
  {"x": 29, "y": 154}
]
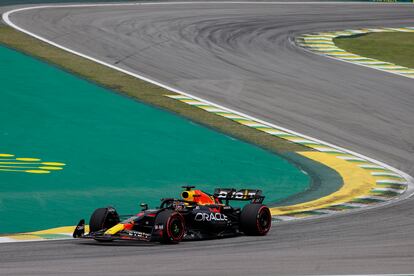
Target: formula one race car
[{"x": 198, "y": 215}]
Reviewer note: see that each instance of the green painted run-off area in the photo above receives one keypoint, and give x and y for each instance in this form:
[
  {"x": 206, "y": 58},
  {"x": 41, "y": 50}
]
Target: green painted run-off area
[{"x": 118, "y": 151}]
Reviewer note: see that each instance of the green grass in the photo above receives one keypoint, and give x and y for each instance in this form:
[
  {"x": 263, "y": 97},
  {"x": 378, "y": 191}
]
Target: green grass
[
  {"x": 395, "y": 47},
  {"x": 139, "y": 89}
]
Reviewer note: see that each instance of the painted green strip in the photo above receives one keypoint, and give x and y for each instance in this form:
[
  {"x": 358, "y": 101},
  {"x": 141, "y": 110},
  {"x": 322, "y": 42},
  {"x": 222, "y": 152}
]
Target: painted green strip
[
  {"x": 341, "y": 207},
  {"x": 366, "y": 200},
  {"x": 325, "y": 180},
  {"x": 385, "y": 193},
  {"x": 357, "y": 183},
  {"x": 393, "y": 186}
]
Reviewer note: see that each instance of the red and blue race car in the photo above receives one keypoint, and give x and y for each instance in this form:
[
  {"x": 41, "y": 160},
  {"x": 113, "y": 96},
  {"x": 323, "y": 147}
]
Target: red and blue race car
[{"x": 196, "y": 215}]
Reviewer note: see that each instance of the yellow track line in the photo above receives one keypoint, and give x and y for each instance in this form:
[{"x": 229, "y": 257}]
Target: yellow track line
[
  {"x": 25, "y": 167},
  {"x": 65, "y": 230},
  {"x": 357, "y": 182},
  {"x": 40, "y": 163}
]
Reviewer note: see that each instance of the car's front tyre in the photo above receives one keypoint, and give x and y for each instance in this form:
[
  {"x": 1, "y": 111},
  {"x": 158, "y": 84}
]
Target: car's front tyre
[
  {"x": 171, "y": 226},
  {"x": 103, "y": 218}
]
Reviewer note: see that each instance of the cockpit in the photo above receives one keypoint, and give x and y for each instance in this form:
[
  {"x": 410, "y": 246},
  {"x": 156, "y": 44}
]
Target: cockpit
[{"x": 198, "y": 196}]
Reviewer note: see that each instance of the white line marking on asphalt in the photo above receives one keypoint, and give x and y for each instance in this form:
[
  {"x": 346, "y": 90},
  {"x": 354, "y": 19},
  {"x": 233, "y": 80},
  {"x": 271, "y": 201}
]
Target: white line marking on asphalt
[{"x": 365, "y": 275}]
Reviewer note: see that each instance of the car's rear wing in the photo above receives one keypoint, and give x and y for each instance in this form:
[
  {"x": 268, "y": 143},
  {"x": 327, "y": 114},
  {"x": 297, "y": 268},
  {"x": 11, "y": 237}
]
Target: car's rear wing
[{"x": 255, "y": 196}]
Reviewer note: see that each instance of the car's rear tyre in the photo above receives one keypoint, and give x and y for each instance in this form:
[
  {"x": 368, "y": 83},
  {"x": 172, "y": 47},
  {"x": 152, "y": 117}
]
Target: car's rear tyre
[
  {"x": 172, "y": 226},
  {"x": 255, "y": 220},
  {"x": 103, "y": 218}
]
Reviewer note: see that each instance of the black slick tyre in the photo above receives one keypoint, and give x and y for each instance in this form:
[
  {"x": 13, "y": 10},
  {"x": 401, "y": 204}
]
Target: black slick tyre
[
  {"x": 255, "y": 220},
  {"x": 103, "y": 218},
  {"x": 172, "y": 226}
]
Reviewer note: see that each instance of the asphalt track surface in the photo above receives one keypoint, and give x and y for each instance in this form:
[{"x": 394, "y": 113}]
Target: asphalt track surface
[{"x": 242, "y": 56}]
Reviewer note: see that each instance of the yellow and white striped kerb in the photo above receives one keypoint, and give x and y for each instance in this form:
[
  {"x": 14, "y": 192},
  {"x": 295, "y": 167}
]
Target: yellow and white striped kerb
[{"x": 322, "y": 43}]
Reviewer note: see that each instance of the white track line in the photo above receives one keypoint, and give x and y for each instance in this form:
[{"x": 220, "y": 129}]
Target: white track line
[
  {"x": 6, "y": 18},
  {"x": 366, "y": 275}
]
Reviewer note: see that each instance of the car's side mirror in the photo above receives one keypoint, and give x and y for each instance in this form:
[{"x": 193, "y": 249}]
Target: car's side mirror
[{"x": 144, "y": 206}]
